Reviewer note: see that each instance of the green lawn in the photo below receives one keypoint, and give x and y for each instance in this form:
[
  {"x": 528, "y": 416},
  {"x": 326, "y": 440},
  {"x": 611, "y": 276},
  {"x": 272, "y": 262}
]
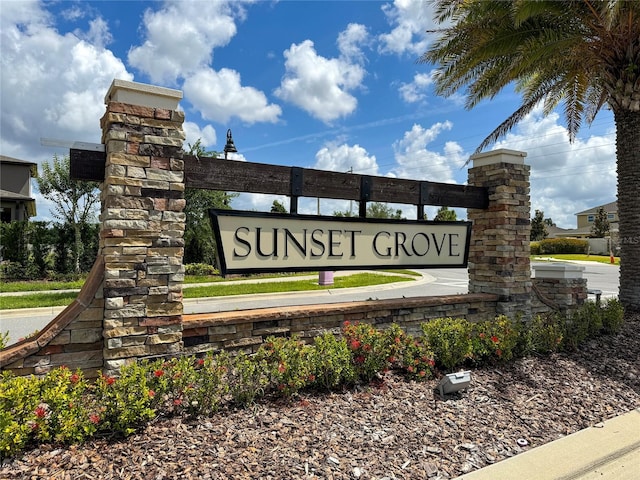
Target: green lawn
[
  {"x": 39, "y": 286},
  {"x": 585, "y": 258},
  {"x": 356, "y": 280}
]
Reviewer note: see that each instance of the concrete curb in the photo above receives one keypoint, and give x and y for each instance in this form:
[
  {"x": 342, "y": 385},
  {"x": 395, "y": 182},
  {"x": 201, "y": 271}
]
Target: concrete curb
[{"x": 607, "y": 451}]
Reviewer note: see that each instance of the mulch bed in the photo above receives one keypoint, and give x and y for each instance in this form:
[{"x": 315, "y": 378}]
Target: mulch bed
[{"x": 391, "y": 430}]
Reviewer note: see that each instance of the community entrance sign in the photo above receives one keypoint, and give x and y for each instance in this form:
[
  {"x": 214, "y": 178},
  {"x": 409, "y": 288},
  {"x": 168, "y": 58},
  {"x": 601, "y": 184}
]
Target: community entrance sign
[{"x": 267, "y": 242}]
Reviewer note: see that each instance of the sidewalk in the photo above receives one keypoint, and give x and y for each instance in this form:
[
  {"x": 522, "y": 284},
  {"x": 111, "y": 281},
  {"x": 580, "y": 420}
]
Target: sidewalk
[{"x": 608, "y": 451}]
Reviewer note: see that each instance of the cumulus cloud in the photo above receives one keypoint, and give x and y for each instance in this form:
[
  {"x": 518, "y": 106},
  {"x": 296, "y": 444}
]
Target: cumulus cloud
[
  {"x": 218, "y": 96},
  {"x": 345, "y": 158},
  {"x": 415, "y": 91},
  {"x": 57, "y": 83},
  {"x": 321, "y": 86},
  {"x": 416, "y": 160},
  {"x": 206, "y": 135},
  {"x": 410, "y": 20},
  {"x": 350, "y": 41},
  {"x": 180, "y": 37},
  {"x": 566, "y": 178}
]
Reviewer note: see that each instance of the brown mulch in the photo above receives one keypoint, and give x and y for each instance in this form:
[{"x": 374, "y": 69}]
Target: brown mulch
[{"x": 392, "y": 430}]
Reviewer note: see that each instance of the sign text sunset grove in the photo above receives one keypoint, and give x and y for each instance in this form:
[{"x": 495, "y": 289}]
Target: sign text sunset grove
[{"x": 266, "y": 242}]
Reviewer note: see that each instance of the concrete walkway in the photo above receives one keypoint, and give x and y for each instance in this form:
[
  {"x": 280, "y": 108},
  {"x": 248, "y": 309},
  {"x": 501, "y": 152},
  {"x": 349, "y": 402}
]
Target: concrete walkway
[{"x": 608, "y": 451}]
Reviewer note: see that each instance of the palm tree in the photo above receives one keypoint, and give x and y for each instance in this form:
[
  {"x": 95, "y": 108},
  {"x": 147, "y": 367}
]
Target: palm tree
[{"x": 581, "y": 54}]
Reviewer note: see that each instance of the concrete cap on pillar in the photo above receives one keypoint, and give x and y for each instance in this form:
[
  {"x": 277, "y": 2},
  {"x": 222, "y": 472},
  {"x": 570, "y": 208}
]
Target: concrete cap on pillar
[
  {"x": 144, "y": 95},
  {"x": 558, "y": 270},
  {"x": 501, "y": 155}
]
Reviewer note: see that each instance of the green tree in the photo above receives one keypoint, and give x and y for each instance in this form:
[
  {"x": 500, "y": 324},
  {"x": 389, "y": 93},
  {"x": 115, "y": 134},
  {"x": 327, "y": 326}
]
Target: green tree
[
  {"x": 374, "y": 210},
  {"x": 600, "y": 227},
  {"x": 199, "y": 243},
  {"x": 446, "y": 215},
  {"x": 277, "y": 207},
  {"x": 74, "y": 201},
  {"x": 538, "y": 227},
  {"x": 583, "y": 54}
]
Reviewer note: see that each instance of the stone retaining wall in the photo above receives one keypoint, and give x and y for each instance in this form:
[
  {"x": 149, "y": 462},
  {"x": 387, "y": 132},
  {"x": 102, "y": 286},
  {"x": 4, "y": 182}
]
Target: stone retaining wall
[{"x": 246, "y": 330}]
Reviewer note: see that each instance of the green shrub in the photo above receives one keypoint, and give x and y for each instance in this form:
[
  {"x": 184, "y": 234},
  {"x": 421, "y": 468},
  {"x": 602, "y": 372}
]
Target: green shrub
[
  {"x": 542, "y": 335},
  {"x": 369, "y": 349},
  {"x": 417, "y": 359},
  {"x": 331, "y": 363},
  {"x": 54, "y": 408},
  {"x": 493, "y": 340},
  {"x": 124, "y": 402},
  {"x": 590, "y": 315},
  {"x": 247, "y": 378},
  {"x": 288, "y": 364},
  {"x": 562, "y": 245},
  {"x": 612, "y": 316},
  {"x": 449, "y": 339},
  {"x": 535, "y": 248},
  {"x": 200, "y": 269}
]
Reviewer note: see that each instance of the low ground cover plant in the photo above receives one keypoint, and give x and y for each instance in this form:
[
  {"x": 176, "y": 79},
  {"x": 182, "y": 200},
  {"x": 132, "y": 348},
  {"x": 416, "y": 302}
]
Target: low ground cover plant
[{"x": 64, "y": 407}]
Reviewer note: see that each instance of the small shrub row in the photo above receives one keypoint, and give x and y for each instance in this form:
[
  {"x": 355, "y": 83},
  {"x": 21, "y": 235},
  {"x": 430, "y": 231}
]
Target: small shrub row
[
  {"x": 63, "y": 407},
  {"x": 200, "y": 269},
  {"x": 559, "y": 245}
]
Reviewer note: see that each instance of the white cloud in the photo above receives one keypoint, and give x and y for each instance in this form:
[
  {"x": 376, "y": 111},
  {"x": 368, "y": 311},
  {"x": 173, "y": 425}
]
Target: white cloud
[
  {"x": 98, "y": 34},
  {"x": 416, "y": 90},
  {"x": 349, "y": 42},
  {"x": 319, "y": 85},
  {"x": 417, "y": 161},
  {"x": 206, "y": 135},
  {"x": 410, "y": 20},
  {"x": 345, "y": 158},
  {"x": 218, "y": 96},
  {"x": 181, "y": 36},
  {"x": 565, "y": 178},
  {"x": 53, "y": 85}
]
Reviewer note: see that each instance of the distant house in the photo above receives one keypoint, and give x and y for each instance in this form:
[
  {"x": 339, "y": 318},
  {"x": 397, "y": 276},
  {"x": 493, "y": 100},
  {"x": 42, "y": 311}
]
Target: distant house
[
  {"x": 16, "y": 202},
  {"x": 587, "y": 217}
]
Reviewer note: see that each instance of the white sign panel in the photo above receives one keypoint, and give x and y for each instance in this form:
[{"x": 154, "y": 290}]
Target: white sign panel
[{"x": 265, "y": 242}]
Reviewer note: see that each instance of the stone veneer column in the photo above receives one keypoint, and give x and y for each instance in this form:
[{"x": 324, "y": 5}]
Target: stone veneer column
[
  {"x": 499, "y": 251},
  {"x": 143, "y": 223}
]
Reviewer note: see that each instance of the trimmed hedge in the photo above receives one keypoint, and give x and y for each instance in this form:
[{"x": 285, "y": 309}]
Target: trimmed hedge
[{"x": 559, "y": 245}]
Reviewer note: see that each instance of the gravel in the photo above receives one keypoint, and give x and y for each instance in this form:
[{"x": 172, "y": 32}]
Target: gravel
[{"x": 393, "y": 429}]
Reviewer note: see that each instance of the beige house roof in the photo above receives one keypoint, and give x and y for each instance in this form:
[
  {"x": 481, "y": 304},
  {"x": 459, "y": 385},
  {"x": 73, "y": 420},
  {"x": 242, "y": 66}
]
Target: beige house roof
[{"x": 611, "y": 207}]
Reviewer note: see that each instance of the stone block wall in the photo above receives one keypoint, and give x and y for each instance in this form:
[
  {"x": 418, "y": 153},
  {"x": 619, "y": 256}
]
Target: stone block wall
[
  {"x": 72, "y": 339},
  {"x": 499, "y": 251},
  {"x": 142, "y": 225},
  {"x": 246, "y": 330},
  {"x": 558, "y": 287}
]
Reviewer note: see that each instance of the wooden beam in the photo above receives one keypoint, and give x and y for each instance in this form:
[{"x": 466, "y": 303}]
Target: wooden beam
[
  {"x": 86, "y": 165},
  {"x": 235, "y": 176}
]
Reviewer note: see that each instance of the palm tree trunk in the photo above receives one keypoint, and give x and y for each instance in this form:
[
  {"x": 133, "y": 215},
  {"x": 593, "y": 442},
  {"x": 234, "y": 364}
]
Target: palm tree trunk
[{"x": 628, "y": 161}]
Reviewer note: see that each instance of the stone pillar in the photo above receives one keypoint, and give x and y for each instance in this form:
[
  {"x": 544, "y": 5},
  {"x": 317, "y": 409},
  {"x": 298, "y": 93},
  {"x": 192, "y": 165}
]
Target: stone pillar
[
  {"x": 143, "y": 223},
  {"x": 559, "y": 286},
  {"x": 499, "y": 251}
]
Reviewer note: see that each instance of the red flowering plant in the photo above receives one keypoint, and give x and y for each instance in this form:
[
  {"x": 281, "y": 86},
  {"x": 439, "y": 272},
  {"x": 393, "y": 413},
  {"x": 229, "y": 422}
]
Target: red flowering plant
[
  {"x": 493, "y": 340},
  {"x": 124, "y": 403},
  {"x": 288, "y": 364},
  {"x": 370, "y": 349},
  {"x": 417, "y": 359}
]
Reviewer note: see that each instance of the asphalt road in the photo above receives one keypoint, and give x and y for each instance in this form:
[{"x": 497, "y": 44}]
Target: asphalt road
[{"x": 20, "y": 323}]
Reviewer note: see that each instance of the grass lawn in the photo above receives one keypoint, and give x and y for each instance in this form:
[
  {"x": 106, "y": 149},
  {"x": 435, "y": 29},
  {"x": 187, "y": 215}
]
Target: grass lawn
[
  {"x": 585, "y": 258},
  {"x": 356, "y": 280}
]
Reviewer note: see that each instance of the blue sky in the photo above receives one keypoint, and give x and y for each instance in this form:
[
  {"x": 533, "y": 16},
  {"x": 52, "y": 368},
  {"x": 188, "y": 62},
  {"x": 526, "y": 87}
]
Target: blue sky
[{"x": 332, "y": 85}]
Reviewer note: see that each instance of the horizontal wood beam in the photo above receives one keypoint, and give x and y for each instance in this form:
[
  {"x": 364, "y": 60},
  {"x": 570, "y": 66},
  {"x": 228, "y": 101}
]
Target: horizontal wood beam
[{"x": 235, "y": 176}]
